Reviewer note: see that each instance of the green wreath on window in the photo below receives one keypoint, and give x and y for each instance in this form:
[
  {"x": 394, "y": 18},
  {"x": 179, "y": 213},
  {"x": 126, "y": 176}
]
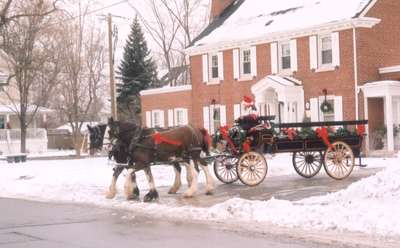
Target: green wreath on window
[{"x": 326, "y": 107}]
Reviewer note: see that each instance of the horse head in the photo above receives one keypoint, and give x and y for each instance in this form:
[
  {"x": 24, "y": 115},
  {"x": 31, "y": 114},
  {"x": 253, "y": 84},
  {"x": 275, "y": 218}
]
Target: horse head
[{"x": 96, "y": 137}]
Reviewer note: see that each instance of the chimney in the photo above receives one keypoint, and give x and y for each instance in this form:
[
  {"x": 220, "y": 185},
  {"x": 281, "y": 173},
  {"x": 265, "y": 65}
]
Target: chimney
[{"x": 217, "y": 7}]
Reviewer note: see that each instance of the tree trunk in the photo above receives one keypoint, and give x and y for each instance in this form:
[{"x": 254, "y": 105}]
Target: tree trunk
[
  {"x": 77, "y": 143},
  {"x": 23, "y": 132}
]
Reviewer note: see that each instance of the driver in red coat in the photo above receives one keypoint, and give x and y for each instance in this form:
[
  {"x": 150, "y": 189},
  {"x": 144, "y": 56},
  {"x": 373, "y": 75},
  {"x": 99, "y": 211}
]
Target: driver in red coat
[{"x": 250, "y": 117}]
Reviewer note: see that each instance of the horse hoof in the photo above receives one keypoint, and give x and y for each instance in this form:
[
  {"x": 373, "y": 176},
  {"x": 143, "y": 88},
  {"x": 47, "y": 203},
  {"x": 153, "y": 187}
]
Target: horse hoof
[
  {"x": 152, "y": 195},
  {"x": 186, "y": 195},
  {"x": 172, "y": 191},
  {"x": 210, "y": 192},
  {"x": 110, "y": 195}
]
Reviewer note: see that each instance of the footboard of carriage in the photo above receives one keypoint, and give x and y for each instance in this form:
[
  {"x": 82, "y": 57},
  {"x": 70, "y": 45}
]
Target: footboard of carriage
[{"x": 332, "y": 145}]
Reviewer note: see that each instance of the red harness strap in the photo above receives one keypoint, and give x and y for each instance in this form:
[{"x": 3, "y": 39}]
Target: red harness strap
[
  {"x": 159, "y": 139},
  {"x": 361, "y": 130},
  {"x": 322, "y": 132}
]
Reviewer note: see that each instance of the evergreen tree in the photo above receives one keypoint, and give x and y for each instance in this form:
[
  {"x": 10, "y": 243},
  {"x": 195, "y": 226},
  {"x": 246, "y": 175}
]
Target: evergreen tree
[{"x": 137, "y": 71}]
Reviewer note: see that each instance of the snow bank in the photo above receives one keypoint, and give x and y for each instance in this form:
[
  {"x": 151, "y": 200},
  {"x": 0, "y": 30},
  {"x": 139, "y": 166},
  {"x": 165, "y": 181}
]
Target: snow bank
[{"x": 370, "y": 205}]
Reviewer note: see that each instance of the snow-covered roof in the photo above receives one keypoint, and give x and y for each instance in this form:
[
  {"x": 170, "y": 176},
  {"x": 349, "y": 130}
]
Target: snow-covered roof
[{"x": 246, "y": 19}]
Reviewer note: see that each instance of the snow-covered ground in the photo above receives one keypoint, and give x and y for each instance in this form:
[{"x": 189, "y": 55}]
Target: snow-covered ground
[{"x": 370, "y": 205}]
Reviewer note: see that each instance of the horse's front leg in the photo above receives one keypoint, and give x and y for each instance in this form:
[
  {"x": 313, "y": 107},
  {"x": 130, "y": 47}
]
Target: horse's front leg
[
  {"x": 193, "y": 185},
  {"x": 130, "y": 187},
  {"x": 177, "y": 182},
  {"x": 112, "y": 190},
  {"x": 153, "y": 194},
  {"x": 209, "y": 179}
]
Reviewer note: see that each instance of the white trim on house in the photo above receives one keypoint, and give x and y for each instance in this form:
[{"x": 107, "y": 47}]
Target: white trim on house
[
  {"x": 165, "y": 90},
  {"x": 361, "y": 22},
  {"x": 386, "y": 90},
  {"x": 390, "y": 69},
  {"x": 369, "y": 6}
]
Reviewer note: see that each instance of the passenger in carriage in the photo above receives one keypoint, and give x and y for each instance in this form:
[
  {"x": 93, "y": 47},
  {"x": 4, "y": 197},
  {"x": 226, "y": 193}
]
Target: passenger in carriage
[{"x": 250, "y": 117}]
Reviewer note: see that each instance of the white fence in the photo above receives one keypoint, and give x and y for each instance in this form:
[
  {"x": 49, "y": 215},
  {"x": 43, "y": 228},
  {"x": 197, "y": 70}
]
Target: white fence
[{"x": 10, "y": 140}]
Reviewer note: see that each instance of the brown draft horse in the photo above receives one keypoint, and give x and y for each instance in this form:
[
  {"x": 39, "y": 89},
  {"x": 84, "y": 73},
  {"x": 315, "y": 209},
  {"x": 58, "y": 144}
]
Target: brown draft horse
[{"x": 145, "y": 148}]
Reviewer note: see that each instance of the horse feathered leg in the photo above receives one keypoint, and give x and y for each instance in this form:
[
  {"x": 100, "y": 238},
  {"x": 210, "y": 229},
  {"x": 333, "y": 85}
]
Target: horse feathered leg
[
  {"x": 209, "y": 179},
  {"x": 177, "y": 182},
  {"x": 193, "y": 185},
  {"x": 112, "y": 190},
  {"x": 130, "y": 187},
  {"x": 153, "y": 194}
]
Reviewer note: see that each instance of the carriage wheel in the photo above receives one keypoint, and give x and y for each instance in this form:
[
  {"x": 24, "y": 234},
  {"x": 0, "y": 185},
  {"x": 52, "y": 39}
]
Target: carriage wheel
[
  {"x": 339, "y": 160},
  {"x": 252, "y": 168},
  {"x": 307, "y": 164},
  {"x": 225, "y": 169}
]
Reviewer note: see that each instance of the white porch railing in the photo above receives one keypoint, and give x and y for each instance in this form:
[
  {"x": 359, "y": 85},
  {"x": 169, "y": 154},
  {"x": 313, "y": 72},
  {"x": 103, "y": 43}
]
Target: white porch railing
[{"x": 10, "y": 140}]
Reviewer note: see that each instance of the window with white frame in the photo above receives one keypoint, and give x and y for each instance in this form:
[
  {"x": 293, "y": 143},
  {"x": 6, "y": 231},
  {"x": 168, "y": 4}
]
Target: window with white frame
[
  {"x": 284, "y": 56},
  {"x": 214, "y": 67},
  {"x": 180, "y": 116},
  {"x": 325, "y": 50},
  {"x": 246, "y": 61},
  {"x": 329, "y": 115},
  {"x": 2, "y": 122},
  {"x": 157, "y": 118}
]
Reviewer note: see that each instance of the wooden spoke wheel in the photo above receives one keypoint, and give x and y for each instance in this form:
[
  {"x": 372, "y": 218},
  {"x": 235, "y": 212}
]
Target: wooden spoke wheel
[
  {"x": 225, "y": 169},
  {"x": 307, "y": 164},
  {"x": 252, "y": 168},
  {"x": 339, "y": 160}
]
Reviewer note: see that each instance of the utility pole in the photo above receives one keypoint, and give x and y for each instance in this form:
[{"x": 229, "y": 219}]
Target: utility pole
[{"x": 111, "y": 62}]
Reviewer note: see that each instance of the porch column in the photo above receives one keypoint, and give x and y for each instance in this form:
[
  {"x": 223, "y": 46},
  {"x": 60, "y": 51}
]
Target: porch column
[
  {"x": 389, "y": 121},
  {"x": 366, "y": 126}
]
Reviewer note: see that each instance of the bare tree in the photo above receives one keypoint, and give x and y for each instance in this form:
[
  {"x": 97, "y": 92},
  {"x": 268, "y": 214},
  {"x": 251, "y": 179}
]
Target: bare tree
[
  {"x": 9, "y": 13},
  {"x": 83, "y": 56},
  {"x": 30, "y": 47},
  {"x": 172, "y": 25}
]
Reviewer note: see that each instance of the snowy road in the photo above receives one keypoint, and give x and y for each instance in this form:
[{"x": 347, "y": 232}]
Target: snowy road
[{"x": 27, "y": 224}]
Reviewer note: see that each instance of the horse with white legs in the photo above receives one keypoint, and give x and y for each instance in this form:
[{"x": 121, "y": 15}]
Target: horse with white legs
[
  {"x": 179, "y": 145},
  {"x": 120, "y": 154}
]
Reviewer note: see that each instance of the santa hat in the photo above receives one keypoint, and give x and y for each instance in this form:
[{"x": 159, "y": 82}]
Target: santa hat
[{"x": 248, "y": 101}]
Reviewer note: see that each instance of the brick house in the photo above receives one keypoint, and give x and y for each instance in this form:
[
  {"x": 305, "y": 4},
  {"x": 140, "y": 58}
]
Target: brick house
[{"x": 291, "y": 56}]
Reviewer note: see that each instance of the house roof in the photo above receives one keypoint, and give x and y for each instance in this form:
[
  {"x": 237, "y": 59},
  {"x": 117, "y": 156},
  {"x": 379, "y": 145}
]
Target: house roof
[
  {"x": 246, "y": 19},
  {"x": 12, "y": 109}
]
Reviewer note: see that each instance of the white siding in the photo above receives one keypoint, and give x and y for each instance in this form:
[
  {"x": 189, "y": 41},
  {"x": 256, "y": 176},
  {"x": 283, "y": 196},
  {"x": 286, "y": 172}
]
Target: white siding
[
  {"x": 205, "y": 68},
  {"x": 293, "y": 55},
  {"x": 162, "y": 120},
  {"x": 236, "y": 64},
  {"x": 221, "y": 65},
  {"x": 185, "y": 116},
  {"x": 274, "y": 58},
  {"x": 254, "y": 61},
  {"x": 314, "y": 107},
  {"x": 335, "y": 49},
  {"x": 313, "y": 52}
]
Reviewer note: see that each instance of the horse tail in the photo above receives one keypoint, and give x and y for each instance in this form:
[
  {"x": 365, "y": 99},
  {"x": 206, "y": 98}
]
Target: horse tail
[{"x": 206, "y": 144}]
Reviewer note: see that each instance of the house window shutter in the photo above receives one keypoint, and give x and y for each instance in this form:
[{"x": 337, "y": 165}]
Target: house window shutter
[
  {"x": 222, "y": 111},
  {"x": 236, "y": 111},
  {"x": 161, "y": 119},
  {"x": 274, "y": 58},
  {"x": 205, "y": 68},
  {"x": 206, "y": 118},
  {"x": 236, "y": 64},
  {"x": 171, "y": 118},
  {"x": 335, "y": 49},
  {"x": 293, "y": 55},
  {"x": 338, "y": 108},
  {"x": 185, "y": 117},
  {"x": 314, "y": 107},
  {"x": 313, "y": 53},
  {"x": 221, "y": 65},
  {"x": 254, "y": 61},
  {"x": 148, "y": 119}
]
